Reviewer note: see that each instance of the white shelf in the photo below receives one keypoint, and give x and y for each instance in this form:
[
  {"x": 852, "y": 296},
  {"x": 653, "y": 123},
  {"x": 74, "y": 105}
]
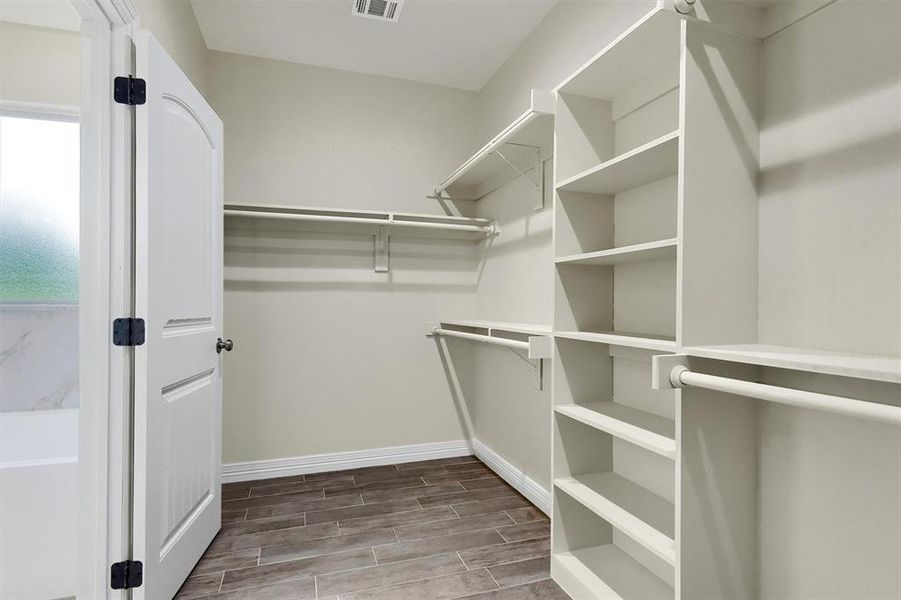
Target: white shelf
[
  {"x": 642, "y": 515},
  {"x": 520, "y": 142},
  {"x": 607, "y": 572},
  {"x": 538, "y": 343},
  {"x": 646, "y": 430},
  {"x": 370, "y": 220},
  {"x": 650, "y": 47},
  {"x": 861, "y": 366},
  {"x": 501, "y": 326},
  {"x": 652, "y": 161},
  {"x": 615, "y": 338},
  {"x": 650, "y": 251}
]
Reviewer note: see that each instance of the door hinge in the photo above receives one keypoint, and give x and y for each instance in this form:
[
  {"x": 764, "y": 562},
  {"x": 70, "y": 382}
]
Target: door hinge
[
  {"x": 129, "y": 90},
  {"x": 126, "y": 575},
  {"x": 128, "y": 332}
]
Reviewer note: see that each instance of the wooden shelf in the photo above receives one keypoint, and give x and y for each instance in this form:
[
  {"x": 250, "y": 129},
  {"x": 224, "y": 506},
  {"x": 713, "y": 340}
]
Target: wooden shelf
[
  {"x": 649, "y": 47},
  {"x": 520, "y": 142},
  {"x": 652, "y": 161},
  {"x": 615, "y": 338},
  {"x": 650, "y": 251},
  {"x": 606, "y": 572},
  {"x": 642, "y": 515},
  {"x": 860, "y": 366},
  {"x": 538, "y": 342},
  {"x": 646, "y": 430}
]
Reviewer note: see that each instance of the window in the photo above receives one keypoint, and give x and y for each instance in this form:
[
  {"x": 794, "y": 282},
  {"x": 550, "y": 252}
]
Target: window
[{"x": 39, "y": 207}]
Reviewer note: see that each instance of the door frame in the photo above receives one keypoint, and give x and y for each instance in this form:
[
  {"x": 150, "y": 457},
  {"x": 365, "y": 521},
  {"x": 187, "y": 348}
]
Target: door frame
[{"x": 106, "y": 256}]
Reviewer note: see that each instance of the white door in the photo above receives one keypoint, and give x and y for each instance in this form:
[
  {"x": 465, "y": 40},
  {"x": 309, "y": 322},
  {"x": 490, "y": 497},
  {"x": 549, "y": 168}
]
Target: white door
[{"x": 178, "y": 292}]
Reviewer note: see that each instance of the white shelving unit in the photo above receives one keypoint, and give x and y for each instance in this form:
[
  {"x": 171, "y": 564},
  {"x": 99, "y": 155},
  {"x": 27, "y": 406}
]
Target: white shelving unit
[
  {"x": 644, "y": 429},
  {"x": 381, "y": 225},
  {"x": 518, "y": 150},
  {"x": 650, "y": 251}
]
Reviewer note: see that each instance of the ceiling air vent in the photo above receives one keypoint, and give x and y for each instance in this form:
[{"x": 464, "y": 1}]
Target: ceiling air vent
[{"x": 383, "y": 10}]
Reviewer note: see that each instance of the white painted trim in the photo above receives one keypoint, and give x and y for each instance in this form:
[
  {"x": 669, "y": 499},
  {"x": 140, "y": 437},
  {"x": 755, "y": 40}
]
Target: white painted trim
[
  {"x": 522, "y": 483},
  {"x": 338, "y": 461}
]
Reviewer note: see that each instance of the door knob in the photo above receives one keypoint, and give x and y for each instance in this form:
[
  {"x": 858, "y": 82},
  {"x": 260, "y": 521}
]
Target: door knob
[{"x": 227, "y": 345}]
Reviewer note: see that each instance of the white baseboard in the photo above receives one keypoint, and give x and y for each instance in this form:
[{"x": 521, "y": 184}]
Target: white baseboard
[
  {"x": 525, "y": 485},
  {"x": 338, "y": 461}
]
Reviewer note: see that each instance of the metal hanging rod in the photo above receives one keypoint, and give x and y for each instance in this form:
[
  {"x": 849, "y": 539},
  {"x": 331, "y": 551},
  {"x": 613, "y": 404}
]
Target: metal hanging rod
[
  {"x": 680, "y": 375},
  {"x": 486, "y": 339},
  {"x": 488, "y": 228}
]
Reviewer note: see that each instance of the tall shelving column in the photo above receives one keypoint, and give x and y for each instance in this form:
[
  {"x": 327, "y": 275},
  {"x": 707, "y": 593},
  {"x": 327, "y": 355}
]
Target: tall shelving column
[{"x": 617, "y": 249}]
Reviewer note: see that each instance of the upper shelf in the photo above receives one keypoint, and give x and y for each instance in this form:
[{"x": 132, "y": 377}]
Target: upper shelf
[
  {"x": 513, "y": 149},
  {"x": 535, "y": 339},
  {"x": 650, "y": 47},
  {"x": 433, "y": 225},
  {"x": 860, "y": 366},
  {"x": 652, "y": 161}
]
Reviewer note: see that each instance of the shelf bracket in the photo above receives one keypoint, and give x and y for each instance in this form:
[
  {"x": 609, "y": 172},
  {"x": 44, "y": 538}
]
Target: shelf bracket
[
  {"x": 538, "y": 182},
  {"x": 537, "y": 365},
  {"x": 381, "y": 249}
]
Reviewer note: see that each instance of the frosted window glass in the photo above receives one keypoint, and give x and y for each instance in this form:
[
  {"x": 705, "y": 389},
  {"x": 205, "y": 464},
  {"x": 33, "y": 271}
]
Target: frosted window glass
[{"x": 39, "y": 170}]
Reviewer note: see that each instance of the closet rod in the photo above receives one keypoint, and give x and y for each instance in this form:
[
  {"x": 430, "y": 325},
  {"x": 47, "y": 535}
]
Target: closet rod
[
  {"x": 482, "y": 338},
  {"x": 681, "y": 376},
  {"x": 333, "y": 219}
]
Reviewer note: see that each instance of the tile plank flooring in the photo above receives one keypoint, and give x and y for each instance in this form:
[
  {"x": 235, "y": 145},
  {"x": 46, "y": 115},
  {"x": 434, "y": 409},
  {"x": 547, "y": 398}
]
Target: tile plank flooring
[{"x": 430, "y": 530}]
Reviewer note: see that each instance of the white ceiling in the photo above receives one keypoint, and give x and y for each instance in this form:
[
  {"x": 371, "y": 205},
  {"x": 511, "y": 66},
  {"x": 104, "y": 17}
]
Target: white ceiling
[
  {"x": 457, "y": 43},
  {"x": 56, "y": 14}
]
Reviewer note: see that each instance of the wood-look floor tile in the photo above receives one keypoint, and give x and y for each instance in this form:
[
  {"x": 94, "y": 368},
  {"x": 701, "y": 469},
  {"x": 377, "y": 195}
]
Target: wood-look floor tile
[
  {"x": 293, "y": 569},
  {"x": 540, "y": 590},
  {"x": 197, "y": 586},
  {"x": 240, "y": 485},
  {"x": 474, "y": 474},
  {"x": 482, "y": 483},
  {"x": 411, "y": 492},
  {"x": 216, "y": 562},
  {"x": 294, "y": 508},
  {"x": 260, "y": 525},
  {"x": 319, "y": 479},
  {"x": 526, "y": 531},
  {"x": 371, "y": 486},
  {"x": 438, "y": 462},
  {"x": 527, "y": 515},
  {"x": 496, "y": 555},
  {"x": 522, "y": 572},
  {"x": 445, "y": 587},
  {"x": 428, "y": 515},
  {"x": 331, "y": 545},
  {"x": 439, "y": 545},
  {"x": 465, "y": 467},
  {"x": 390, "y": 574},
  {"x": 230, "y": 543},
  {"x": 275, "y": 499},
  {"x": 364, "y": 510},
  {"x": 493, "y": 505},
  {"x": 234, "y": 516},
  {"x": 235, "y": 494},
  {"x": 409, "y": 533},
  {"x": 302, "y": 486},
  {"x": 464, "y": 496},
  {"x": 303, "y": 588},
  {"x": 384, "y": 470}
]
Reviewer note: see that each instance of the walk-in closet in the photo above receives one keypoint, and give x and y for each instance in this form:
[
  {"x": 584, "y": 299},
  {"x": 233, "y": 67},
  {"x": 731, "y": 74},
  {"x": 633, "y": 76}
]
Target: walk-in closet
[{"x": 450, "y": 299}]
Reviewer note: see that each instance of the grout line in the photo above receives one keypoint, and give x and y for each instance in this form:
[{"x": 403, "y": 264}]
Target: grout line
[
  {"x": 462, "y": 561},
  {"x": 492, "y": 577},
  {"x": 221, "y": 580},
  {"x": 315, "y": 586}
]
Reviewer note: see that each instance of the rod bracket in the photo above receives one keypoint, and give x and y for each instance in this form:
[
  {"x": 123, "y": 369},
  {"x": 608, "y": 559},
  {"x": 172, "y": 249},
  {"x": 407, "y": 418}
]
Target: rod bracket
[{"x": 666, "y": 369}]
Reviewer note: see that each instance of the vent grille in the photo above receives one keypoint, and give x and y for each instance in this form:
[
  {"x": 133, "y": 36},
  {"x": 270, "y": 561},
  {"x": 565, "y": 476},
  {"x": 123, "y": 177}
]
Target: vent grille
[{"x": 382, "y": 10}]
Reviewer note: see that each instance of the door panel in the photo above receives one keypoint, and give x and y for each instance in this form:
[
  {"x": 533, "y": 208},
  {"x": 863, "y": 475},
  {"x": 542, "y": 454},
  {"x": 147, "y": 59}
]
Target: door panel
[{"x": 178, "y": 292}]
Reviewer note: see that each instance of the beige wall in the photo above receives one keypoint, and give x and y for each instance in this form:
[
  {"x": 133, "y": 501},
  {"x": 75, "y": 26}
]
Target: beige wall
[
  {"x": 39, "y": 65},
  {"x": 331, "y": 356},
  {"x": 173, "y": 24}
]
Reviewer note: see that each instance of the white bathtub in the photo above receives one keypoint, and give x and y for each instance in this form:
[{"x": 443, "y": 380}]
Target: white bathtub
[{"x": 38, "y": 504}]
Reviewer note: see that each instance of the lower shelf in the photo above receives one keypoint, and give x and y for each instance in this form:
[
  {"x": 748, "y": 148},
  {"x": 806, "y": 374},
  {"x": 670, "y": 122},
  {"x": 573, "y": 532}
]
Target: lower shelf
[
  {"x": 637, "y": 512},
  {"x": 606, "y": 572},
  {"x": 638, "y": 427},
  {"x": 617, "y": 338}
]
